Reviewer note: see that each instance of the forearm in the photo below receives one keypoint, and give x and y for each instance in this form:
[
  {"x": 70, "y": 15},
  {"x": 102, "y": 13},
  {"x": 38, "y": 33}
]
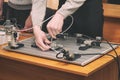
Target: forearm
[
  {"x": 38, "y": 12},
  {"x": 70, "y": 7},
  {"x": 29, "y": 19}
]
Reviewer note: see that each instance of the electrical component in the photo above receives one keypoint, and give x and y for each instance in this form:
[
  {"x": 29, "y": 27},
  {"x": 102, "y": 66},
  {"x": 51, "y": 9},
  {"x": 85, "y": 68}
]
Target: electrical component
[
  {"x": 87, "y": 42},
  {"x": 64, "y": 54},
  {"x": 56, "y": 46},
  {"x": 2, "y": 37},
  {"x": 62, "y": 36},
  {"x": 12, "y": 35}
]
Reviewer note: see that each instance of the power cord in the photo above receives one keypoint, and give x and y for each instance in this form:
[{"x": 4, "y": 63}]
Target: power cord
[
  {"x": 116, "y": 58},
  {"x": 47, "y": 20}
]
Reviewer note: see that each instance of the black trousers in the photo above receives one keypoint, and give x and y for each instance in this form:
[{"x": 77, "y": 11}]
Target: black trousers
[
  {"x": 19, "y": 15},
  {"x": 88, "y": 19}
]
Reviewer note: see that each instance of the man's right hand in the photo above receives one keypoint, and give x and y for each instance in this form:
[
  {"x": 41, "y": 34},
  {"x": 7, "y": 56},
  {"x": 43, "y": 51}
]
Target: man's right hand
[{"x": 41, "y": 39}]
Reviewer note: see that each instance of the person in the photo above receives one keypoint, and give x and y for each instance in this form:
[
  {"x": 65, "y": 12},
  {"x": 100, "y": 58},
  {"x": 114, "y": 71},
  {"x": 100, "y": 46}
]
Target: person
[
  {"x": 88, "y": 16},
  {"x": 19, "y": 10}
]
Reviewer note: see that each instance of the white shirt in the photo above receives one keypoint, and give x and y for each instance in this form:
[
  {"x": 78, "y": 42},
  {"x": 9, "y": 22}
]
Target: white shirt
[
  {"x": 20, "y": 4},
  {"x": 39, "y": 8}
]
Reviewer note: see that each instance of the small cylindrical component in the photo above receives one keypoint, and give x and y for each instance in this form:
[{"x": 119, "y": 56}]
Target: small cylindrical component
[
  {"x": 83, "y": 47},
  {"x": 79, "y": 39},
  {"x": 62, "y": 36},
  {"x": 98, "y": 38}
]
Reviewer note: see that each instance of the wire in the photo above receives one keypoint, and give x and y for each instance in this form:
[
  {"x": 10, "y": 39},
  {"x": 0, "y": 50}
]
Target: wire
[
  {"x": 61, "y": 57},
  {"x": 32, "y": 28},
  {"x": 88, "y": 36},
  {"x": 24, "y": 30},
  {"x": 69, "y": 25},
  {"x": 117, "y": 58},
  {"x": 113, "y": 43},
  {"x": 47, "y": 20}
]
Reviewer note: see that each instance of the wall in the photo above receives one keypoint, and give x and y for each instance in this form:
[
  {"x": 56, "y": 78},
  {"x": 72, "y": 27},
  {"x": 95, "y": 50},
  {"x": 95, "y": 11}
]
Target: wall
[{"x": 52, "y": 4}]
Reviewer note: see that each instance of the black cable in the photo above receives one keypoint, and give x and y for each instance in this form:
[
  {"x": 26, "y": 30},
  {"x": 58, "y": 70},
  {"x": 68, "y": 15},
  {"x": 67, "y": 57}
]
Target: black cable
[
  {"x": 86, "y": 54},
  {"x": 57, "y": 56},
  {"x": 117, "y": 58}
]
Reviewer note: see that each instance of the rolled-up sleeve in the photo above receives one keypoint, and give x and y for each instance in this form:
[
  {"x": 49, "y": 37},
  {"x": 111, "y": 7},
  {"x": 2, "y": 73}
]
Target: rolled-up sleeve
[
  {"x": 38, "y": 12},
  {"x": 70, "y": 7}
]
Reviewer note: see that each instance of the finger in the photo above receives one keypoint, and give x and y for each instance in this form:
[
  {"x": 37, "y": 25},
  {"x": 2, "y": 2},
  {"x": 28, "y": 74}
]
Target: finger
[
  {"x": 47, "y": 41},
  {"x": 39, "y": 46},
  {"x": 42, "y": 46},
  {"x": 50, "y": 31},
  {"x": 43, "y": 49},
  {"x": 54, "y": 33},
  {"x": 58, "y": 31}
]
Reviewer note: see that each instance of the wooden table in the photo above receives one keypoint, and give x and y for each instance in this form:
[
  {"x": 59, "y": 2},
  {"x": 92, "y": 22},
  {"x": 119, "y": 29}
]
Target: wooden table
[
  {"x": 111, "y": 10},
  {"x": 111, "y": 30},
  {"x": 17, "y": 66}
]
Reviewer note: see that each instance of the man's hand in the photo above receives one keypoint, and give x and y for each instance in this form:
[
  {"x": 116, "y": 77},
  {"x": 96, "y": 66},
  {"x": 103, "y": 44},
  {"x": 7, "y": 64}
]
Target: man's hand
[
  {"x": 41, "y": 39},
  {"x": 54, "y": 26}
]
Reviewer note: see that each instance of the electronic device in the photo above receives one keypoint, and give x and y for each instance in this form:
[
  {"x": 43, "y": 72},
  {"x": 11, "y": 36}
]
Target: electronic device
[
  {"x": 12, "y": 35},
  {"x": 71, "y": 49},
  {"x": 66, "y": 50}
]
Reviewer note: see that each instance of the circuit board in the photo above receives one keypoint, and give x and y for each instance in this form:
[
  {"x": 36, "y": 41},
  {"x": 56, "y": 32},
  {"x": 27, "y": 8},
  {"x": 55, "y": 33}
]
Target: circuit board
[{"x": 71, "y": 45}]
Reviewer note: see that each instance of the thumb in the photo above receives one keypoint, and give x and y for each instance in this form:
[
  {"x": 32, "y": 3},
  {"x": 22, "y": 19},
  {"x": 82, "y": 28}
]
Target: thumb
[{"x": 47, "y": 41}]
